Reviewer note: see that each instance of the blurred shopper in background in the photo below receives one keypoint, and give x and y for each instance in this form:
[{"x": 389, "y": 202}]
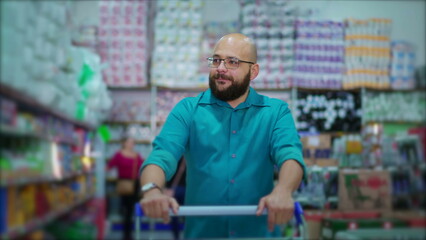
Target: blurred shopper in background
[
  {"x": 127, "y": 161},
  {"x": 232, "y": 137}
]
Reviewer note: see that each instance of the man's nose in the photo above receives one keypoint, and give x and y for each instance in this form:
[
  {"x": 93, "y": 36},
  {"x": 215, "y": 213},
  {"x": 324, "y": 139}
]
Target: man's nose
[{"x": 221, "y": 67}]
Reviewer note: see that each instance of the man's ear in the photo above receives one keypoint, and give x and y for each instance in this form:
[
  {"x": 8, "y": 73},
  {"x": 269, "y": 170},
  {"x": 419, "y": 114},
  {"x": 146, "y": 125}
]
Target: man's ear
[{"x": 254, "y": 71}]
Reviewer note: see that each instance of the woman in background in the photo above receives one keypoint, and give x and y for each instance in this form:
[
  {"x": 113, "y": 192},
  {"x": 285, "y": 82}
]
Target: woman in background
[{"x": 127, "y": 161}]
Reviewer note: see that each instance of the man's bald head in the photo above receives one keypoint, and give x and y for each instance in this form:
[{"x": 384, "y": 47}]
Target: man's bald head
[{"x": 242, "y": 43}]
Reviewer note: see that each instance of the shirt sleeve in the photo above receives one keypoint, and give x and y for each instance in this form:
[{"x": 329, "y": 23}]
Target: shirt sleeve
[
  {"x": 169, "y": 145},
  {"x": 140, "y": 160},
  {"x": 285, "y": 141},
  {"x": 114, "y": 161}
]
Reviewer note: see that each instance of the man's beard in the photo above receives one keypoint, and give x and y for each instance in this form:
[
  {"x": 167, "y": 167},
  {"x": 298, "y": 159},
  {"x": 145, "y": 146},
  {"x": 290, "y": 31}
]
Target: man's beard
[{"x": 231, "y": 93}]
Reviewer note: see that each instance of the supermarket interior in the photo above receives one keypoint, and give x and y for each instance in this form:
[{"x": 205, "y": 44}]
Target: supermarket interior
[{"x": 78, "y": 77}]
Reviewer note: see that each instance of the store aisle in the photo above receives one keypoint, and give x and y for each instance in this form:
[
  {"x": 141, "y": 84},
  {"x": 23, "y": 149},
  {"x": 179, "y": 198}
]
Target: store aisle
[{"x": 158, "y": 235}]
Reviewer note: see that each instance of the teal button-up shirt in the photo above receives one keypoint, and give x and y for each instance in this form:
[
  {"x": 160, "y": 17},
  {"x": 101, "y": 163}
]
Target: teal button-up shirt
[{"x": 230, "y": 154}]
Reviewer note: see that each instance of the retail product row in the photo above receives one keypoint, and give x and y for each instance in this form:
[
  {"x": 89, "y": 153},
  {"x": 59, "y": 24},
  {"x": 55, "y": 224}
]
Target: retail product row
[
  {"x": 142, "y": 112},
  {"x": 46, "y": 165},
  {"x": 295, "y": 51}
]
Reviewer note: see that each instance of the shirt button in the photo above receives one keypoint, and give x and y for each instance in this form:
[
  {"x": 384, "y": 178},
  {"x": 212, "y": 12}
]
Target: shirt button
[
  {"x": 234, "y": 132},
  {"x": 232, "y": 181},
  {"x": 234, "y": 155}
]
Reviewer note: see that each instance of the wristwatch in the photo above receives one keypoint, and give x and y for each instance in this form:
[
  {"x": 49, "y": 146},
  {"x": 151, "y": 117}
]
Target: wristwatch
[{"x": 145, "y": 188}]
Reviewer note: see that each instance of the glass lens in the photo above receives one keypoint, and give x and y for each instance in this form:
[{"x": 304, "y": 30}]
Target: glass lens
[
  {"x": 231, "y": 62},
  {"x": 216, "y": 62}
]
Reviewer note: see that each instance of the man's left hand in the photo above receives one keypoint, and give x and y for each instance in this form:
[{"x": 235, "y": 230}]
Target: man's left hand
[{"x": 280, "y": 207}]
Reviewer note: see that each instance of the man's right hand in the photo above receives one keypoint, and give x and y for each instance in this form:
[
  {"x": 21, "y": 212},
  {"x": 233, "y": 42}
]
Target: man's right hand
[{"x": 155, "y": 204}]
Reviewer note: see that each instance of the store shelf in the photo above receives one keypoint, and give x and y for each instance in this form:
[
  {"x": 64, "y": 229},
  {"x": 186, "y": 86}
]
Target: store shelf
[
  {"x": 185, "y": 89},
  {"x": 396, "y": 90},
  {"x": 273, "y": 89},
  {"x": 394, "y": 122},
  {"x": 316, "y": 168},
  {"x": 20, "y": 231},
  {"x": 13, "y": 131},
  {"x": 41, "y": 179},
  {"x": 23, "y": 98},
  {"x": 136, "y": 141},
  {"x": 119, "y": 88},
  {"x": 128, "y": 122},
  {"x": 303, "y": 199},
  {"x": 303, "y": 89}
]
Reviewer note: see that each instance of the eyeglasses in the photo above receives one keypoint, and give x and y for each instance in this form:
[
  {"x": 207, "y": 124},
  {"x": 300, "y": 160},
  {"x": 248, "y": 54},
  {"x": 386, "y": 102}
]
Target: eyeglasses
[{"x": 230, "y": 63}]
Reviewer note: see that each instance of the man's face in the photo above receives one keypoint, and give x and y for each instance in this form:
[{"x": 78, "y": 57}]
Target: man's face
[
  {"x": 230, "y": 84},
  {"x": 226, "y": 88}
]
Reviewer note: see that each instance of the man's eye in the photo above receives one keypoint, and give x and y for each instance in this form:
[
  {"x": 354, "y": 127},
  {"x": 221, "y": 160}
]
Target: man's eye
[
  {"x": 216, "y": 60},
  {"x": 233, "y": 61}
]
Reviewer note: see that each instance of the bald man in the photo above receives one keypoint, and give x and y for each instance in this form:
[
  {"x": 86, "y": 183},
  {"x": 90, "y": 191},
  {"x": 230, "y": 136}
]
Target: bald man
[{"x": 232, "y": 138}]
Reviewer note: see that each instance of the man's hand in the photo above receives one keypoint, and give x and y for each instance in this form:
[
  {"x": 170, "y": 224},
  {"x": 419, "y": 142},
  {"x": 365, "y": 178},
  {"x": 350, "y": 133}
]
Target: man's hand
[
  {"x": 280, "y": 207},
  {"x": 155, "y": 204}
]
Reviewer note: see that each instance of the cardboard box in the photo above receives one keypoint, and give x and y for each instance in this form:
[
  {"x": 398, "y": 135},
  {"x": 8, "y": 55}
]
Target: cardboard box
[
  {"x": 326, "y": 162},
  {"x": 314, "y": 218},
  {"x": 316, "y": 141},
  {"x": 331, "y": 226},
  {"x": 316, "y": 154},
  {"x": 414, "y": 218},
  {"x": 364, "y": 189}
]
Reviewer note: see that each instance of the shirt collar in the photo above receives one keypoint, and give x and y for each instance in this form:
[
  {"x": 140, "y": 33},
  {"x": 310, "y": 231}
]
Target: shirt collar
[{"x": 253, "y": 98}]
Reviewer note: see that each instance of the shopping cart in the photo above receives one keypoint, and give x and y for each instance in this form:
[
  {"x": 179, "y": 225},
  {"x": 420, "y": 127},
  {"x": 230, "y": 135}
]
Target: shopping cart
[{"x": 221, "y": 211}]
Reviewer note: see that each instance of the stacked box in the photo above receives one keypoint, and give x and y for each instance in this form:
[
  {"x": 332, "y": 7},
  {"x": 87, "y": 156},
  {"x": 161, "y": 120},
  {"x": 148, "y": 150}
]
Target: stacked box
[
  {"x": 368, "y": 53},
  {"x": 333, "y": 111},
  {"x": 178, "y": 29},
  {"x": 330, "y": 226},
  {"x": 316, "y": 148},
  {"x": 364, "y": 189},
  {"x": 270, "y": 25},
  {"x": 319, "y": 54},
  {"x": 394, "y": 106},
  {"x": 403, "y": 66},
  {"x": 123, "y": 42}
]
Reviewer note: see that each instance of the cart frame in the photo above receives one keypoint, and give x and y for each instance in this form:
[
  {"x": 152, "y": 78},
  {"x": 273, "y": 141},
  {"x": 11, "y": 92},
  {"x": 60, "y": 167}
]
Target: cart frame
[{"x": 221, "y": 211}]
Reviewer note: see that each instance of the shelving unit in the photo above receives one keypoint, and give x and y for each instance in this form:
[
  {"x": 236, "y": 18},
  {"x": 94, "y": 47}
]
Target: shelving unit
[
  {"x": 42, "y": 179},
  {"x": 82, "y": 174},
  {"x": 35, "y": 224},
  {"x": 136, "y": 141},
  {"x": 36, "y": 106}
]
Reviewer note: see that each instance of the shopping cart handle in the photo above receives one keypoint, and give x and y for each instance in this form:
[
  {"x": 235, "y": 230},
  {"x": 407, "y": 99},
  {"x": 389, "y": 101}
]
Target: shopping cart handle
[
  {"x": 222, "y": 211},
  {"x": 216, "y": 210}
]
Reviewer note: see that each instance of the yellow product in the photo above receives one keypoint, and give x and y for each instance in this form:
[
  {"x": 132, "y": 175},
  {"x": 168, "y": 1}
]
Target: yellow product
[
  {"x": 49, "y": 195},
  {"x": 381, "y": 72},
  {"x": 367, "y": 37},
  {"x": 381, "y": 20},
  {"x": 12, "y": 203},
  {"x": 28, "y": 201},
  {"x": 353, "y": 147},
  {"x": 37, "y": 235}
]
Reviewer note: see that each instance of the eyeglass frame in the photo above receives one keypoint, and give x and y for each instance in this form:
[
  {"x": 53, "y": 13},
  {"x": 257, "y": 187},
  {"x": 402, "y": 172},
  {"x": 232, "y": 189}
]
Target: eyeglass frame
[{"x": 210, "y": 59}]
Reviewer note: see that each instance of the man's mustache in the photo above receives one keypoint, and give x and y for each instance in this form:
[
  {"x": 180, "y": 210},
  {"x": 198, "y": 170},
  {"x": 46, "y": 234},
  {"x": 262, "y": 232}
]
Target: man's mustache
[{"x": 222, "y": 76}]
